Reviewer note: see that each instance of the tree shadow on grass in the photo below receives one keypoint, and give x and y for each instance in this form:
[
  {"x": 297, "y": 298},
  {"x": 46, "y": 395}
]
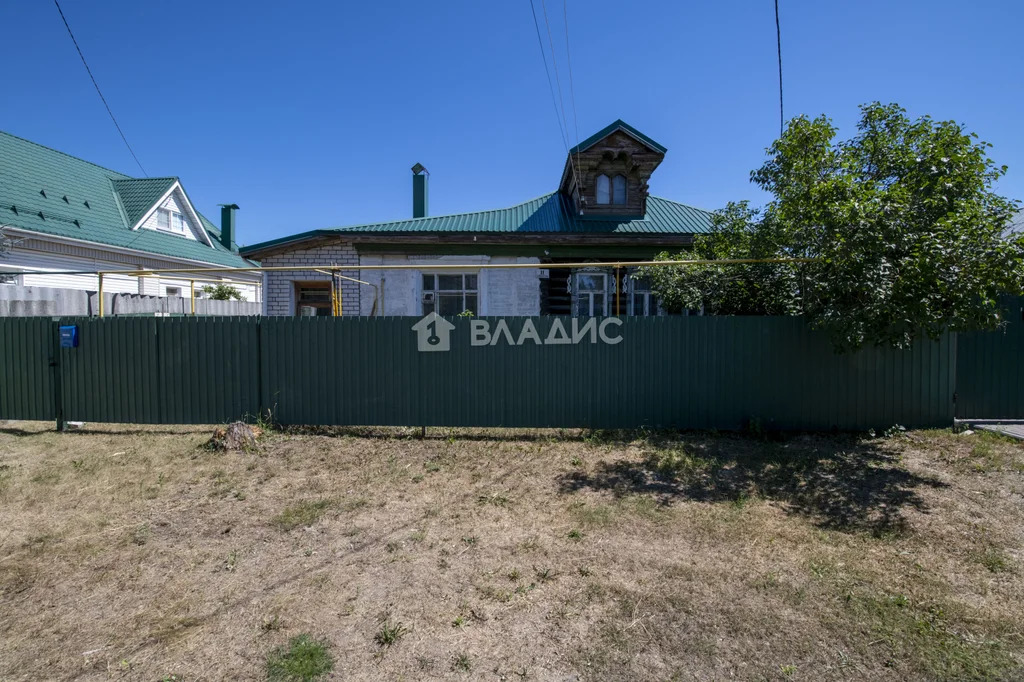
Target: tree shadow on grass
[{"x": 842, "y": 482}]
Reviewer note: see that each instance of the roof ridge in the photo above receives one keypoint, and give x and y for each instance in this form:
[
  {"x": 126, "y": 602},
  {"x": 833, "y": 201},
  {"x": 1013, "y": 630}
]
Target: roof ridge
[
  {"x": 70, "y": 156},
  {"x": 444, "y": 215},
  {"x": 679, "y": 203},
  {"x": 158, "y": 177}
]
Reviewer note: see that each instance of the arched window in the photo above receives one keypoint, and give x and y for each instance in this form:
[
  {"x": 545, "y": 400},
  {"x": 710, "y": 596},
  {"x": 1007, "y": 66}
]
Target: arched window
[
  {"x": 604, "y": 189},
  {"x": 619, "y": 189}
]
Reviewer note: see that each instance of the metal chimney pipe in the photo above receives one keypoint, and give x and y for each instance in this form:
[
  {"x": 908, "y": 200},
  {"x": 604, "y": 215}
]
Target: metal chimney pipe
[{"x": 420, "y": 175}]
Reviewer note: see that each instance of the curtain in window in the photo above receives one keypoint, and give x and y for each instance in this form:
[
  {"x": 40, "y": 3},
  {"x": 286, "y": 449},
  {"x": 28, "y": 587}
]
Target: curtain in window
[
  {"x": 603, "y": 189},
  {"x": 619, "y": 189}
]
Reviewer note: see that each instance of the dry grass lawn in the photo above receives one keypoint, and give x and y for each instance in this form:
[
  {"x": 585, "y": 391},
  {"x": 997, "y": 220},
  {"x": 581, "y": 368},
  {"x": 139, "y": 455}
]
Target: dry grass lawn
[{"x": 135, "y": 553}]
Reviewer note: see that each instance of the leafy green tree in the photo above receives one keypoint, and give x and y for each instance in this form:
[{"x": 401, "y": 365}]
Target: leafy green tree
[
  {"x": 906, "y": 232},
  {"x": 729, "y": 289},
  {"x": 222, "y": 292}
]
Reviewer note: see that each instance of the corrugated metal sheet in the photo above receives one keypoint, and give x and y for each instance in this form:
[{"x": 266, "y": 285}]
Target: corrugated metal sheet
[
  {"x": 667, "y": 372},
  {"x": 990, "y": 369},
  {"x": 549, "y": 214},
  {"x": 696, "y": 372},
  {"x": 26, "y": 377},
  {"x": 162, "y": 370}
]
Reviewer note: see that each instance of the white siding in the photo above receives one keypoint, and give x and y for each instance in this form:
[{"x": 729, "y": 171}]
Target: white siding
[{"x": 175, "y": 202}]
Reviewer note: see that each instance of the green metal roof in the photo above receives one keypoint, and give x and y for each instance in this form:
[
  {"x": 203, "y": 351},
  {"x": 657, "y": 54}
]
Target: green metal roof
[
  {"x": 608, "y": 130},
  {"x": 50, "y": 192},
  {"x": 138, "y": 195},
  {"x": 549, "y": 214}
]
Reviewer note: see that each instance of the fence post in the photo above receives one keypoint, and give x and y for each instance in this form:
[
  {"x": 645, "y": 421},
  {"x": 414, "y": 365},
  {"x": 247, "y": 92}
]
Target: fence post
[
  {"x": 259, "y": 368},
  {"x": 58, "y": 399}
]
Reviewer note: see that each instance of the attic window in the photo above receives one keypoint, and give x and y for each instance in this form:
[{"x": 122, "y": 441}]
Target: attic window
[
  {"x": 619, "y": 189},
  {"x": 170, "y": 221},
  {"x": 603, "y": 189}
]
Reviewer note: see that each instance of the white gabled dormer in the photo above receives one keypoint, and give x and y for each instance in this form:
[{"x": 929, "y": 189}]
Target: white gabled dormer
[{"x": 160, "y": 204}]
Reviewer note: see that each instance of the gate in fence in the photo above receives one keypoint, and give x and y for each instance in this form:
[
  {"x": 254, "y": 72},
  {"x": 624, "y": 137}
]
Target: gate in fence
[{"x": 990, "y": 369}]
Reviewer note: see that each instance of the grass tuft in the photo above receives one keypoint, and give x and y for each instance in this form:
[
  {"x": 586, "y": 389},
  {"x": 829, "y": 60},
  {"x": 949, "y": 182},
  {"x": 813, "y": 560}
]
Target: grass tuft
[
  {"x": 389, "y": 633},
  {"x": 304, "y": 659},
  {"x": 302, "y": 514},
  {"x": 461, "y": 663}
]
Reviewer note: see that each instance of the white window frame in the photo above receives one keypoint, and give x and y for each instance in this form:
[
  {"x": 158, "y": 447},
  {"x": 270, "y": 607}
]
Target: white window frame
[
  {"x": 577, "y": 294},
  {"x": 650, "y": 300},
  {"x": 424, "y": 290},
  {"x": 168, "y": 290},
  {"x": 172, "y": 217}
]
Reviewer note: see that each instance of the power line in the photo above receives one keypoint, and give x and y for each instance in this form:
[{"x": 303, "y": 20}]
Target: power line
[
  {"x": 98, "y": 91},
  {"x": 572, "y": 89},
  {"x": 554, "y": 101},
  {"x": 558, "y": 82},
  {"x": 778, "y": 44}
]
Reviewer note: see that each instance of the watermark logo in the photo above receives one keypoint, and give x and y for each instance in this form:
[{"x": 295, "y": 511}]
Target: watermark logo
[{"x": 433, "y": 332}]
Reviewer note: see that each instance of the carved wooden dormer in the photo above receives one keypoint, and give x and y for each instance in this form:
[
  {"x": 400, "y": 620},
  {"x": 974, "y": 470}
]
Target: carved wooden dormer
[{"x": 613, "y": 167}]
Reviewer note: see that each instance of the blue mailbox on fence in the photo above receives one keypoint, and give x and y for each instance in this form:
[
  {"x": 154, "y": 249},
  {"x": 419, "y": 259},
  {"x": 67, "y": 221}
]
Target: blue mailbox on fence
[{"x": 69, "y": 336}]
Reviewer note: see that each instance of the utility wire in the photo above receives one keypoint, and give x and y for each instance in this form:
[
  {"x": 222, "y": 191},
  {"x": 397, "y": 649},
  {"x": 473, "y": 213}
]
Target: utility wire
[
  {"x": 558, "y": 82},
  {"x": 572, "y": 90},
  {"x": 778, "y": 44},
  {"x": 554, "y": 101},
  {"x": 98, "y": 91}
]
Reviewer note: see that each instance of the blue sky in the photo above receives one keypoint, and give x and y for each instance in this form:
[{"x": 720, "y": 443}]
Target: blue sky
[{"x": 310, "y": 115}]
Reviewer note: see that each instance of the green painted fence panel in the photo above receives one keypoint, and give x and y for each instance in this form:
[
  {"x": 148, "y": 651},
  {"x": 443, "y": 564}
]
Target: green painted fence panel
[
  {"x": 678, "y": 372},
  {"x": 990, "y": 369},
  {"x": 26, "y": 375},
  {"x": 162, "y": 370},
  {"x": 663, "y": 372}
]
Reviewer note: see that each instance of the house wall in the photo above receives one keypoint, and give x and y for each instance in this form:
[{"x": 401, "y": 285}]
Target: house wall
[
  {"x": 39, "y": 254},
  {"x": 502, "y": 292},
  {"x": 399, "y": 292},
  {"x": 280, "y": 285}
]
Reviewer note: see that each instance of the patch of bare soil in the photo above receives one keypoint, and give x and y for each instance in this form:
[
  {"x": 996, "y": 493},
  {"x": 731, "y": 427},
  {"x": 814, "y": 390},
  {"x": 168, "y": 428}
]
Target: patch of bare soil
[{"x": 139, "y": 553}]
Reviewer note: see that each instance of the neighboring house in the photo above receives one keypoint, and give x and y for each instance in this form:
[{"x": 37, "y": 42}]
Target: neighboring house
[
  {"x": 601, "y": 212},
  {"x": 60, "y": 215},
  {"x": 1016, "y": 225}
]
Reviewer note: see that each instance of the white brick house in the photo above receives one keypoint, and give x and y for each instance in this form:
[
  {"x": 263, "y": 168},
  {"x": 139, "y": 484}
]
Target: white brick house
[{"x": 601, "y": 212}]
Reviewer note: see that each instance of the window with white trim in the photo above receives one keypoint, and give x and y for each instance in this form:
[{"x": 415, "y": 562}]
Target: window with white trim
[
  {"x": 170, "y": 221},
  {"x": 172, "y": 291},
  {"x": 641, "y": 300},
  {"x": 450, "y": 294},
  {"x": 589, "y": 293}
]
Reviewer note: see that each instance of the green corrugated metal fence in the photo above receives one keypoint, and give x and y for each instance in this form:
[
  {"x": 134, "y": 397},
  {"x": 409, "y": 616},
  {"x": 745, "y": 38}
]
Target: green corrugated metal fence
[
  {"x": 990, "y": 369},
  {"x": 696, "y": 372},
  {"x": 663, "y": 372},
  {"x": 161, "y": 370},
  {"x": 27, "y": 345}
]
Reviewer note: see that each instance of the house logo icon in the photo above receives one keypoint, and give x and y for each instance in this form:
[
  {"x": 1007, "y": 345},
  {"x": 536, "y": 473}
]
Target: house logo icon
[{"x": 433, "y": 333}]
